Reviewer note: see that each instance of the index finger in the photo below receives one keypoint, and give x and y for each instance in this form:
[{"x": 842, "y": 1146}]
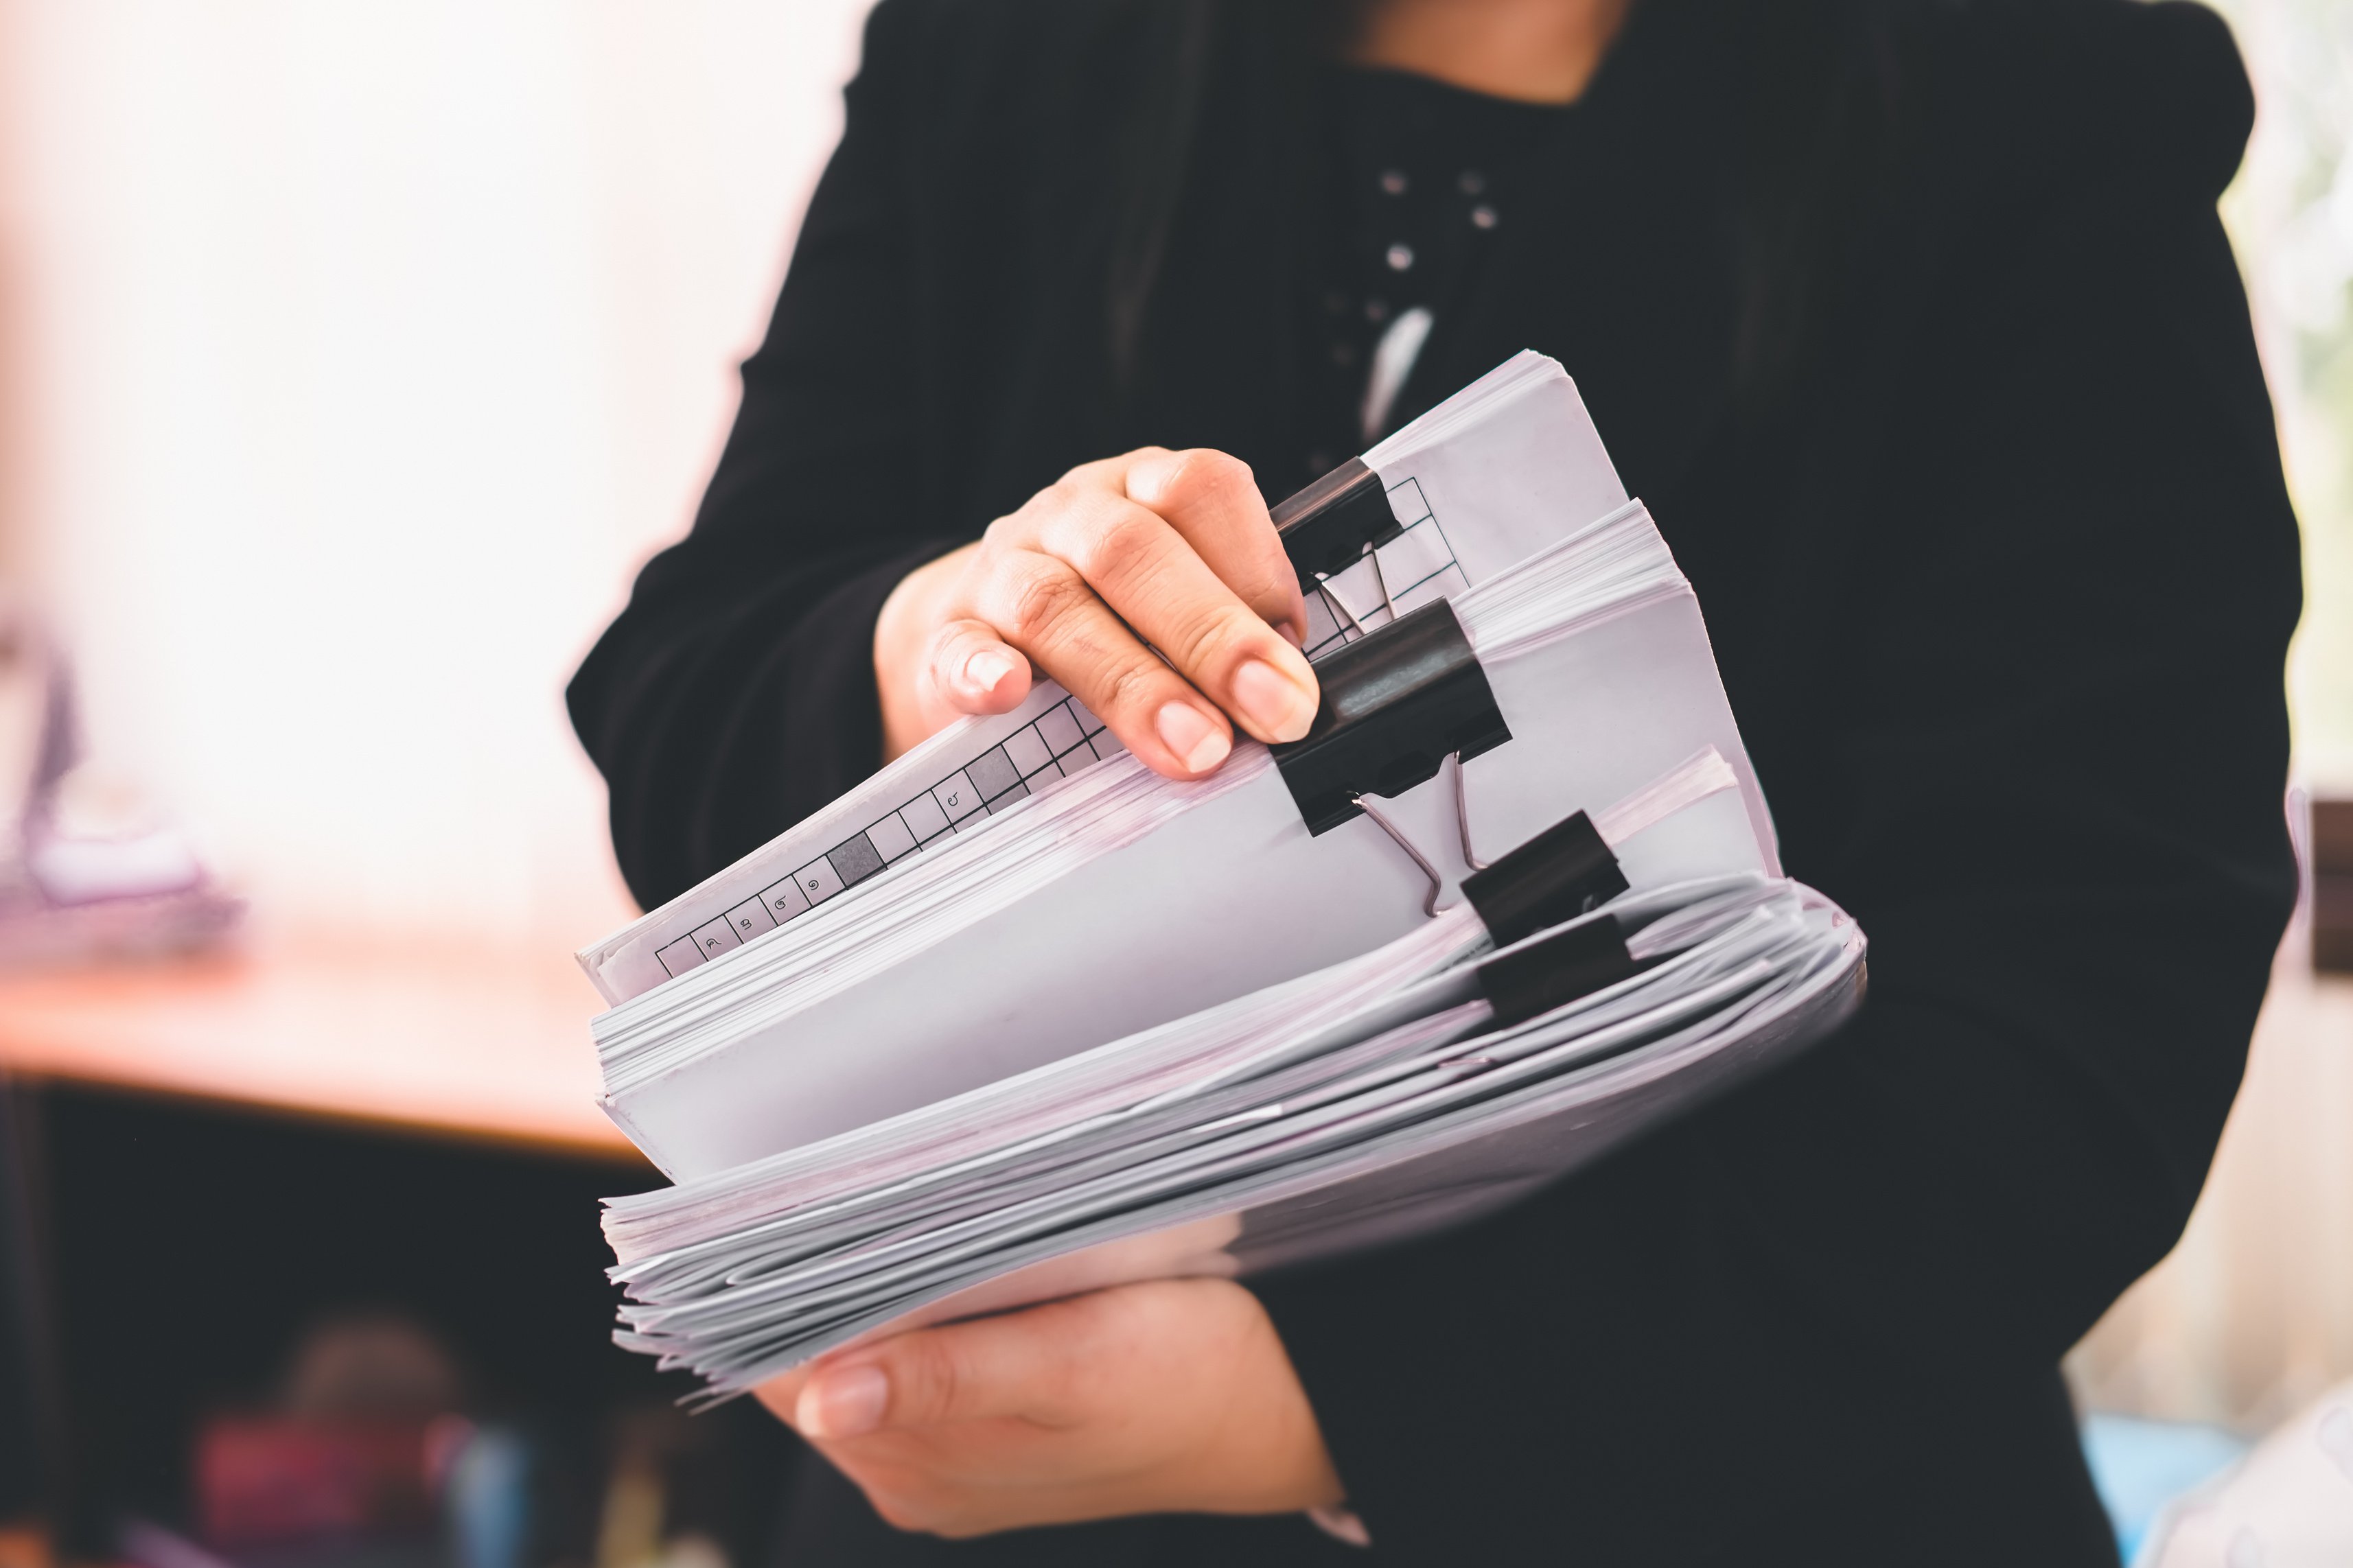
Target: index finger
[{"x": 1212, "y": 502}]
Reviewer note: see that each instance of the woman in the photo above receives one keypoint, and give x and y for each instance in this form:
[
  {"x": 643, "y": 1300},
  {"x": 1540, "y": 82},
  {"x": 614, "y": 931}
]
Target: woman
[{"x": 1913, "y": 322}]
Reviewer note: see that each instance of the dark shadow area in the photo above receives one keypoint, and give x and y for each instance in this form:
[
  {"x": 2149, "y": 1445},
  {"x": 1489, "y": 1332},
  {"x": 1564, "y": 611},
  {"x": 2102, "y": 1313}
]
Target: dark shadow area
[{"x": 196, "y": 1255}]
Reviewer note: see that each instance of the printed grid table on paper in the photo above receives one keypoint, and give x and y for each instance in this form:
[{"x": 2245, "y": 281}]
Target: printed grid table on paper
[
  {"x": 1407, "y": 572},
  {"x": 1056, "y": 744}
]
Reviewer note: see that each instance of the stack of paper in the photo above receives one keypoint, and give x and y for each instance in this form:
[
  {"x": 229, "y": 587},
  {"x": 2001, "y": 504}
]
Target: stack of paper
[
  {"x": 1019, "y": 1016},
  {"x": 1375, "y": 1101}
]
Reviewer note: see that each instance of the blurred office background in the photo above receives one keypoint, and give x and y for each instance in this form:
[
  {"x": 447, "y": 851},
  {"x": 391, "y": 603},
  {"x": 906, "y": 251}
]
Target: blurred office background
[
  {"x": 351, "y": 356},
  {"x": 356, "y": 353}
]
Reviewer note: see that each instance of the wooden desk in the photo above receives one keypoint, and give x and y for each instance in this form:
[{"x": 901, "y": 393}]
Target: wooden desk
[
  {"x": 476, "y": 1218},
  {"x": 480, "y": 1045}
]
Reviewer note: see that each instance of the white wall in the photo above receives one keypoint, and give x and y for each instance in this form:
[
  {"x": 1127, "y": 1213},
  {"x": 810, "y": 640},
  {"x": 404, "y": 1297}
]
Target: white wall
[{"x": 363, "y": 350}]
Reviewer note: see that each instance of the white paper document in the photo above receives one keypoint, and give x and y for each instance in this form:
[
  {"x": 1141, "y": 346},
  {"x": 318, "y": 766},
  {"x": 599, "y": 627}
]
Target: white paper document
[
  {"x": 1514, "y": 460},
  {"x": 1051, "y": 932}
]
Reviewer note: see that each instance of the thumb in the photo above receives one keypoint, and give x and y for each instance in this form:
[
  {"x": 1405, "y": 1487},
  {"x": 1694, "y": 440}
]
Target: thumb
[
  {"x": 973, "y": 669},
  {"x": 968, "y": 1372}
]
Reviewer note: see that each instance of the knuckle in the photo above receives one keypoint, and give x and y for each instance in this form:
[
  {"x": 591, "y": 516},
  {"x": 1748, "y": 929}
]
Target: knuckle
[
  {"x": 1065, "y": 507},
  {"x": 1130, "y": 687},
  {"x": 1204, "y": 473},
  {"x": 1206, "y": 638},
  {"x": 948, "y": 645},
  {"x": 1003, "y": 547},
  {"x": 1127, "y": 461},
  {"x": 1112, "y": 540},
  {"x": 933, "y": 1378},
  {"x": 1090, "y": 473},
  {"x": 1043, "y": 595},
  {"x": 1022, "y": 525}
]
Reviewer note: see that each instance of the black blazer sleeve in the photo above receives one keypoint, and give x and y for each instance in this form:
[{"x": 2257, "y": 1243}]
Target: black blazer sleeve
[
  {"x": 2045, "y": 773},
  {"x": 736, "y": 694}
]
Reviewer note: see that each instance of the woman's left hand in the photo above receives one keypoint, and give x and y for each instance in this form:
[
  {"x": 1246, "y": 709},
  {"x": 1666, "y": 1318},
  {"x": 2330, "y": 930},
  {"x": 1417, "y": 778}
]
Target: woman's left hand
[{"x": 1173, "y": 1396}]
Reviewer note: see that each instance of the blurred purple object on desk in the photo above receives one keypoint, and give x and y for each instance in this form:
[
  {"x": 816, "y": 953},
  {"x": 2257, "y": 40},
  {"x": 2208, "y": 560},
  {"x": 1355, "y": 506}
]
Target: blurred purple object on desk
[{"x": 82, "y": 882}]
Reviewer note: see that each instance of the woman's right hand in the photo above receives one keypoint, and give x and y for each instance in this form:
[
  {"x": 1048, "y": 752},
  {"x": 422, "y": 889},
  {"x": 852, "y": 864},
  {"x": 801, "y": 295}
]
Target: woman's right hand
[{"x": 1173, "y": 548}]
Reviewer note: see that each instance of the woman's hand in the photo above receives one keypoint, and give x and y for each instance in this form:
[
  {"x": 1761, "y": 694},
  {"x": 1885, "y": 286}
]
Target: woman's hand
[
  {"x": 1174, "y": 1397},
  {"x": 1174, "y": 549}
]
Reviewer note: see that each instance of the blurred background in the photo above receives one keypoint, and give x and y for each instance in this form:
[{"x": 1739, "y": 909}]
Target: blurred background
[{"x": 352, "y": 357}]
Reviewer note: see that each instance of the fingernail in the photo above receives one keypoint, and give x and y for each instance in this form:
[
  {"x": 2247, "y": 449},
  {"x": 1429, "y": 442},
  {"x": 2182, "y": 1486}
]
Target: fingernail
[
  {"x": 987, "y": 667},
  {"x": 844, "y": 1403},
  {"x": 1275, "y": 706},
  {"x": 1199, "y": 744}
]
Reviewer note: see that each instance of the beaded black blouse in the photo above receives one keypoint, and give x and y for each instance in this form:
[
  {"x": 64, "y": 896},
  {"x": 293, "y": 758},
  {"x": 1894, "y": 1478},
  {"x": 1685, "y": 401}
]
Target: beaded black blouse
[{"x": 1422, "y": 178}]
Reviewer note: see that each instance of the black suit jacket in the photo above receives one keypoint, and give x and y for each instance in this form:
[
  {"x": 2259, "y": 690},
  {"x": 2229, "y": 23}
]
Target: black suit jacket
[{"x": 2001, "y": 598}]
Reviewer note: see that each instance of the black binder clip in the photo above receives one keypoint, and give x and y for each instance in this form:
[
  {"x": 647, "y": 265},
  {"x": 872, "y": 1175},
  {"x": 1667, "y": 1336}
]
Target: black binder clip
[
  {"x": 1569, "y": 963},
  {"x": 1327, "y": 526},
  {"x": 1561, "y": 873},
  {"x": 1397, "y": 703}
]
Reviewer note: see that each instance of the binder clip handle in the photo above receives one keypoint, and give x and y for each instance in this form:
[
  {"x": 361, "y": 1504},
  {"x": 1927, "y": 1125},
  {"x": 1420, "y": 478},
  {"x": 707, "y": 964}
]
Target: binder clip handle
[{"x": 1461, "y": 823}]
